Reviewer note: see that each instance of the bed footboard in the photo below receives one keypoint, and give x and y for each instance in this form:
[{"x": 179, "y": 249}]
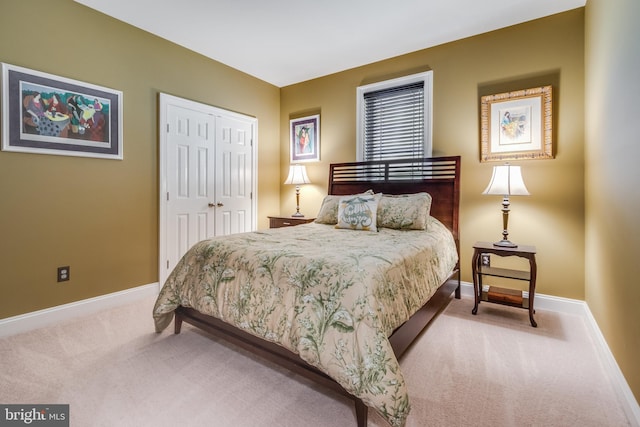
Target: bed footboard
[
  {"x": 267, "y": 350},
  {"x": 401, "y": 339}
]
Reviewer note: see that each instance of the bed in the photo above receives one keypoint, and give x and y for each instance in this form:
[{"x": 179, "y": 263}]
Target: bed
[{"x": 341, "y": 299}]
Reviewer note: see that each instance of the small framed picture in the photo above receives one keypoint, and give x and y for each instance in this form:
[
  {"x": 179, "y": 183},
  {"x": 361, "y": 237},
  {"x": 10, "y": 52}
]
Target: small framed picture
[
  {"x": 305, "y": 139},
  {"x": 47, "y": 114},
  {"x": 517, "y": 125}
]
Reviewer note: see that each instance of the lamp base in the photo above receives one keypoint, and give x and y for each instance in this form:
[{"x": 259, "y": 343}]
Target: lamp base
[
  {"x": 297, "y": 215},
  {"x": 505, "y": 244}
]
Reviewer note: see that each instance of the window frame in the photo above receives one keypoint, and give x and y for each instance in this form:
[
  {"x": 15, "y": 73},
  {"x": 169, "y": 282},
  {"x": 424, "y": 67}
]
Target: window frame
[{"x": 427, "y": 79}]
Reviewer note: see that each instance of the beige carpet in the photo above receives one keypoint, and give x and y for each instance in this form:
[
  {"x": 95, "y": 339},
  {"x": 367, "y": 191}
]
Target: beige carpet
[{"x": 492, "y": 369}]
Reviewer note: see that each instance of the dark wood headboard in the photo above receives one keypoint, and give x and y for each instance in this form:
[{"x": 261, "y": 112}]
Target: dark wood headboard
[{"x": 438, "y": 176}]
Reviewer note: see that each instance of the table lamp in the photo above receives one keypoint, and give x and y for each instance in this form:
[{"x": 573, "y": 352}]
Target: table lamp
[
  {"x": 506, "y": 181},
  {"x": 297, "y": 176}
]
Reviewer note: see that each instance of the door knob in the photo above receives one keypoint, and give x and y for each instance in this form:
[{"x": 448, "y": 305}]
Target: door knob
[
  {"x": 211, "y": 205},
  {"x": 219, "y": 205}
]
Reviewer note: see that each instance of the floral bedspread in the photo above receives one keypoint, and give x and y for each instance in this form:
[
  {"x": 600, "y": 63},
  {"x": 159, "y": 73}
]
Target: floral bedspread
[{"x": 333, "y": 296}]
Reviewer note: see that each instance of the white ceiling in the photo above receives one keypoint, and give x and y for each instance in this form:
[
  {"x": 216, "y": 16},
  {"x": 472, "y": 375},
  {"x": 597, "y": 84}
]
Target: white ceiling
[{"x": 289, "y": 41}]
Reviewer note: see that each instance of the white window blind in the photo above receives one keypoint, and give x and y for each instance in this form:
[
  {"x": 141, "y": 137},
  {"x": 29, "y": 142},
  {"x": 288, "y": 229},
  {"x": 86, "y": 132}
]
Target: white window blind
[
  {"x": 394, "y": 123},
  {"x": 395, "y": 119}
]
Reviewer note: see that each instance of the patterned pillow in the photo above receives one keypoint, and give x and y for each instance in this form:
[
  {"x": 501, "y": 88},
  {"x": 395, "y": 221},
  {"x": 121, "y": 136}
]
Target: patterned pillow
[
  {"x": 358, "y": 212},
  {"x": 329, "y": 209},
  {"x": 405, "y": 211}
]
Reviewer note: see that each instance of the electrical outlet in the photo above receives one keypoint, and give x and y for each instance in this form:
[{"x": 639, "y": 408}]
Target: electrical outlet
[
  {"x": 485, "y": 260},
  {"x": 64, "y": 273}
]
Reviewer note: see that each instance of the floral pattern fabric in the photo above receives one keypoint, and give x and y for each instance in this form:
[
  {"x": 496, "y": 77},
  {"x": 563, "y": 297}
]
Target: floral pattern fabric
[
  {"x": 328, "y": 213},
  {"x": 333, "y": 296},
  {"x": 406, "y": 211},
  {"x": 358, "y": 212}
]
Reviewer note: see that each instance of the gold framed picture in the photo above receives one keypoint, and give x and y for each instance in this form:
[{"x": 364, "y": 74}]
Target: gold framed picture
[{"x": 517, "y": 125}]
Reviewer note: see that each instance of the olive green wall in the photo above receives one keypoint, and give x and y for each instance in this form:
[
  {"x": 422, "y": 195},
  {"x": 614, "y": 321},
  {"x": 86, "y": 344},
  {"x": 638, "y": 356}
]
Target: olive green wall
[
  {"x": 612, "y": 177},
  {"x": 101, "y": 216},
  {"x": 541, "y": 52}
]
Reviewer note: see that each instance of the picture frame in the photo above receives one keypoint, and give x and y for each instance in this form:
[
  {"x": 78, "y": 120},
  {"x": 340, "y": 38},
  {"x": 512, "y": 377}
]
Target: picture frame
[
  {"x": 305, "y": 139},
  {"x": 47, "y": 114},
  {"x": 517, "y": 125}
]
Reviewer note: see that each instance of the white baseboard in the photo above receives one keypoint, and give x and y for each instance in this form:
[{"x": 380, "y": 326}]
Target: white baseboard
[
  {"x": 580, "y": 308},
  {"x": 38, "y": 319},
  {"x": 543, "y": 302},
  {"x": 629, "y": 402}
]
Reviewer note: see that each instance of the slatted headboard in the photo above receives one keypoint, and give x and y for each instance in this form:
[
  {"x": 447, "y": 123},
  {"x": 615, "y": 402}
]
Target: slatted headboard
[{"x": 438, "y": 176}]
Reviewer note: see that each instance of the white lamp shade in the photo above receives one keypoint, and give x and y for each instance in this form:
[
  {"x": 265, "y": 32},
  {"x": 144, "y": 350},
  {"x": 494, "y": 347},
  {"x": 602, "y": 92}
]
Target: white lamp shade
[
  {"x": 506, "y": 181},
  {"x": 297, "y": 175}
]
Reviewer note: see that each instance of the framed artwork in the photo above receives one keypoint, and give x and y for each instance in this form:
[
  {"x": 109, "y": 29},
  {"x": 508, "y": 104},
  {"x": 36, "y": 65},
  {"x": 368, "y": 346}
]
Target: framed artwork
[
  {"x": 47, "y": 114},
  {"x": 517, "y": 125},
  {"x": 305, "y": 139}
]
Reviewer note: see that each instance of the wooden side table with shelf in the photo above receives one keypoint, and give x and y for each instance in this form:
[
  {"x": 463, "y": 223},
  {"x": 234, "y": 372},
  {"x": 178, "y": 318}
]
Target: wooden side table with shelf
[
  {"x": 514, "y": 298},
  {"x": 288, "y": 221}
]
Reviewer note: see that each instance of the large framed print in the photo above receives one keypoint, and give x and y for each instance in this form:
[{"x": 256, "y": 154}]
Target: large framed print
[
  {"x": 517, "y": 125},
  {"x": 47, "y": 114},
  {"x": 305, "y": 139}
]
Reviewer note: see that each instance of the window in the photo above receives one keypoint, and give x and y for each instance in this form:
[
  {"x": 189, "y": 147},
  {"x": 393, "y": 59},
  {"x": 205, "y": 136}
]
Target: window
[{"x": 394, "y": 118}]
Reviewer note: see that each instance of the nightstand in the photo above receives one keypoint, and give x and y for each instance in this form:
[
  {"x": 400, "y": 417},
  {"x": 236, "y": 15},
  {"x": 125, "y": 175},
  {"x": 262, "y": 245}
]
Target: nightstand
[
  {"x": 498, "y": 295},
  {"x": 288, "y": 221}
]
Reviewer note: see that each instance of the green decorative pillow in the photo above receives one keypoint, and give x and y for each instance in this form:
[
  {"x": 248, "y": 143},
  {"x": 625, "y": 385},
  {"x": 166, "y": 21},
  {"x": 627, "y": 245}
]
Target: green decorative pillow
[
  {"x": 329, "y": 209},
  {"x": 358, "y": 212},
  {"x": 405, "y": 211}
]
